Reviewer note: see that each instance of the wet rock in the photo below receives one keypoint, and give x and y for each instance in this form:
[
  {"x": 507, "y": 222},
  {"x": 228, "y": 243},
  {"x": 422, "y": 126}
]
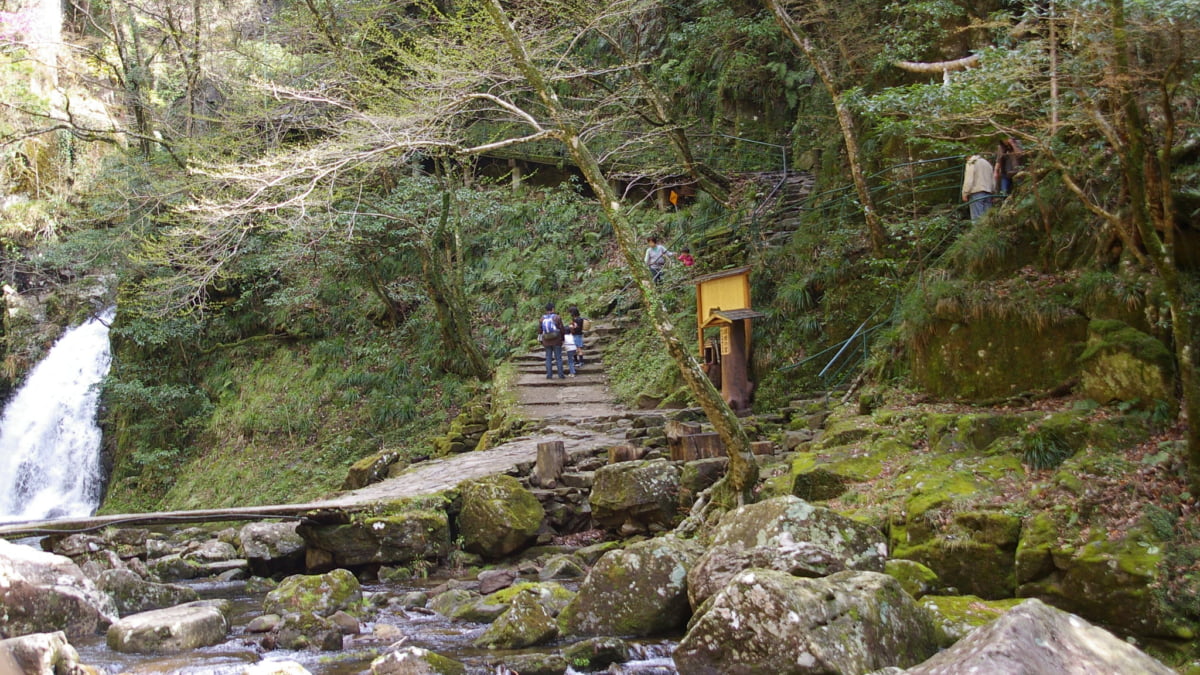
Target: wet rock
[
  {"x": 276, "y": 668},
  {"x": 498, "y": 516},
  {"x": 530, "y": 664},
  {"x": 640, "y": 590},
  {"x": 272, "y": 548},
  {"x": 211, "y": 551},
  {"x": 173, "y": 567},
  {"x": 172, "y": 630},
  {"x": 132, "y": 594},
  {"x": 786, "y": 534},
  {"x": 769, "y": 621},
  {"x": 416, "y": 661},
  {"x": 39, "y": 653},
  {"x": 42, "y": 592},
  {"x": 526, "y": 623},
  {"x": 453, "y": 602},
  {"x": 491, "y": 581},
  {"x": 562, "y": 567},
  {"x": 1034, "y": 638},
  {"x": 308, "y": 631},
  {"x": 596, "y": 653},
  {"x": 264, "y": 623},
  {"x": 321, "y": 594}
]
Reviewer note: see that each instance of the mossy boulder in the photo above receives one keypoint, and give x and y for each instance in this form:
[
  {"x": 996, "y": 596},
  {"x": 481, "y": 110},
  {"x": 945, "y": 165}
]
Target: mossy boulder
[
  {"x": 526, "y": 623},
  {"x": 996, "y": 354},
  {"x": 916, "y": 579},
  {"x": 498, "y": 516},
  {"x": 828, "y": 473},
  {"x": 320, "y": 594},
  {"x": 393, "y": 539},
  {"x": 596, "y": 653},
  {"x": 553, "y": 596},
  {"x": 636, "y": 496},
  {"x": 1123, "y": 364},
  {"x": 272, "y": 547},
  {"x": 636, "y": 591},
  {"x": 370, "y": 469},
  {"x": 786, "y": 534},
  {"x": 1116, "y": 582},
  {"x": 973, "y": 432},
  {"x": 947, "y": 525},
  {"x": 457, "y": 603},
  {"x": 308, "y": 631},
  {"x": 765, "y": 621},
  {"x": 957, "y": 615},
  {"x": 133, "y": 594}
]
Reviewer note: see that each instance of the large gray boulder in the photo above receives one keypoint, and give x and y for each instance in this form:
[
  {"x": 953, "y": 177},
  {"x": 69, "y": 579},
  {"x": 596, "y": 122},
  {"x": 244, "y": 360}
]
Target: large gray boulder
[
  {"x": 632, "y": 497},
  {"x": 39, "y": 653},
  {"x": 1034, "y": 638},
  {"x": 639, "y": 590},
  {"x": 395, "y": 539},
  {"x": 320, "y": 594},
  {"x": 272, "y": 548},
  {"x": 172, "y": 630},
  {"x": 498, "y": 516},
  {"x": 133, "y": 594},
  {"x": 765, "y": 621},
  {"x": 786, "y": 534},
  {"x": 42, "y": 593}
]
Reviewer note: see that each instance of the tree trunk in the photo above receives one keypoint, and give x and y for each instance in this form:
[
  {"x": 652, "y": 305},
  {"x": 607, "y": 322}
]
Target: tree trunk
[
  {"x": 845, "y": 122},
  {"x": 463, "y": 355},
  {"x": 743, "y": 471}
]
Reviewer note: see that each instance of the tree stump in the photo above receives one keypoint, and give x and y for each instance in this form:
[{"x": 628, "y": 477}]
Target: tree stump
[
  {"x": 551, "y": 458},
  {"x": 675, "y": 431},
  {"x": 698, "y": 446}
]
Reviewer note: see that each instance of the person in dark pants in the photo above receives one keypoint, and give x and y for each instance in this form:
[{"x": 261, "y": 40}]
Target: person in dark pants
[
  {"x": 575, "y": 329},
  {"x": 550, "y": 334}
]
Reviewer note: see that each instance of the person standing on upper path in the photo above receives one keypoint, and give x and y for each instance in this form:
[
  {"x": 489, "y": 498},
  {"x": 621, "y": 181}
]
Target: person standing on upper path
[
  {"x": 979, "y": 183},
  {"x": 656, "y": 258},
  {"x": 685, "y": 257},
  {"x": 575, "y": 332},
  {"x": 1008, "y": 163},
  {"x": 550, "y": 334}
]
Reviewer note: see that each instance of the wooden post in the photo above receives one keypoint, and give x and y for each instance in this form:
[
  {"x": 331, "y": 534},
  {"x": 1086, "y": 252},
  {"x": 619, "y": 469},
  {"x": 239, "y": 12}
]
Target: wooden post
[
  {"x": 551, "y": 458},
  {"x": 735, "y": 382},
  {"x": 698, "y": 446}
]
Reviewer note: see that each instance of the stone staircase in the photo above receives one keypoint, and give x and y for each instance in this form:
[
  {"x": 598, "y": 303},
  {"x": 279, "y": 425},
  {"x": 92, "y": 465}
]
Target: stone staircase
[{"x": 582, "y": 397}]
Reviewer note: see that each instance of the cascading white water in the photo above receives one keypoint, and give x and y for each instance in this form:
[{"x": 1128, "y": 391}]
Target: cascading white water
[{"x": 49, "y": 439}]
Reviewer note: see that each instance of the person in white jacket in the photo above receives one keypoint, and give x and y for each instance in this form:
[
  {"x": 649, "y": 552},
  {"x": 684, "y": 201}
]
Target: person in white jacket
[{"x": 978, "y": 185}]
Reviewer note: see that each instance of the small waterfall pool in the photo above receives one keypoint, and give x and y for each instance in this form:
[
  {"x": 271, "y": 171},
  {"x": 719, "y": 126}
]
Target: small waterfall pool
[{"x": 49, "y": 438}]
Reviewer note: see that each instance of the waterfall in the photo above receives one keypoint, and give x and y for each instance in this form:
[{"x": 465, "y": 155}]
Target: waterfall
[{"x": 49, "y": 439}]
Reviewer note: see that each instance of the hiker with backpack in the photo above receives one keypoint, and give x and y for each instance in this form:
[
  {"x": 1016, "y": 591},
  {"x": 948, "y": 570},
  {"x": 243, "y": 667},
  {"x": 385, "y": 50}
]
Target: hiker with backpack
[{"x": 550, "y": 334}]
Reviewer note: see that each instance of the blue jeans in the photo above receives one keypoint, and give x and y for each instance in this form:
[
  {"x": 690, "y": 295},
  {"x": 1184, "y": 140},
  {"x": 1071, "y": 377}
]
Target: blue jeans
[
  {"x": 553, "y": 355},
  {"x": 979, "y": 203}
]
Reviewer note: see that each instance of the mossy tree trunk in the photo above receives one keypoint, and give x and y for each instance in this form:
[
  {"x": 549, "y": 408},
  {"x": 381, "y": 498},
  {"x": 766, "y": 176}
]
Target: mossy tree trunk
[
  {"x": 463, "y": 355},
  {"x": 743, "y": 472}
]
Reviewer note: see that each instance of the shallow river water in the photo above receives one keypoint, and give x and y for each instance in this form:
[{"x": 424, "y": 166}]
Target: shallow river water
[{"x": 421, "y": 628}]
